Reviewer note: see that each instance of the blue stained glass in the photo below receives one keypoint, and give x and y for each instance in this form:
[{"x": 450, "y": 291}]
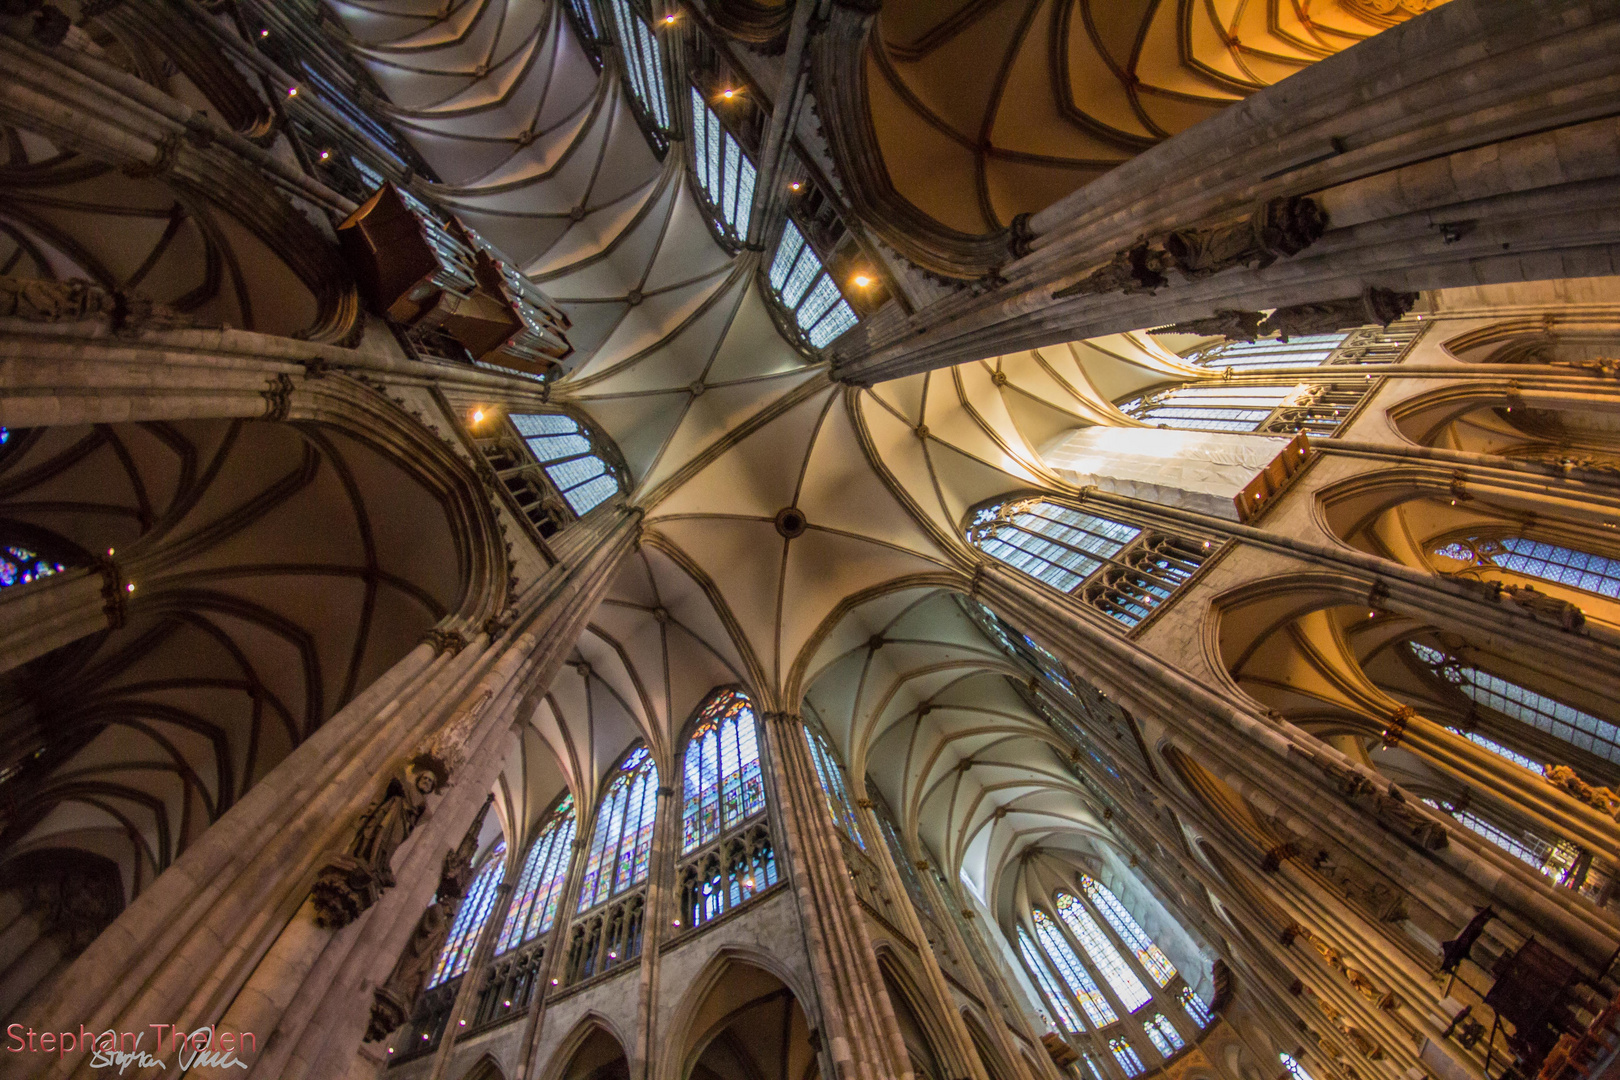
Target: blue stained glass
[
  {"x": 723, "y": 787},
  {"x": 1056, "y": 544},
  {"x": 804, "y": 272},
  {"x": 1125, "y": 1054},
  {"x": 572, "y": 473},
  {"x": 1091, "y": 999},
  {"x": 831, "y": 775},
  {"x": 623, "y": 834},
  {"x": 21, "y": 566},
  {"x": 1195, "y": 1007},
  {"x": 746, "y": 176},
  {"x": 840, "y": 319},
  {"x": 587, "y": 496},
  {"x": 1163, "y": 1034},
  {"x": 1055, "y": 997},
  {"x": 535, "y": 903},
  {"x": 470, "y": 917},
  {"x": 5, "y": 436},
  {"x": 543, "y": 424},
  {"x": 553, "y": 447},
  {"x": 728, "y": 184},
  {"x": 1295, "y": 1069},
  {"x": 1538, "y": 559},
  {"x": 822, "y": 297}
]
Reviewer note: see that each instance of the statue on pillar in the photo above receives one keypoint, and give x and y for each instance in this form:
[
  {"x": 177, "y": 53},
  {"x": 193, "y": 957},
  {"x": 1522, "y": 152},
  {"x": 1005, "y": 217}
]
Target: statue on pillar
[
  {"x": 350, "y": 883},
  {"x": 1277, "y": 227},
  {"x": 393, "y": 1001},
  {"x": 1374, "y": 306},
  {"x": 40, "y": 300},
  {"x": 1137, "y": 269}
]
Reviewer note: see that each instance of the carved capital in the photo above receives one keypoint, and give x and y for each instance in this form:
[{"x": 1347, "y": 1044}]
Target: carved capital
[
  {"x": 445, "y": 640},
  {"x": 278, "y": 397},
  {"x": 1396, "y": 727}
]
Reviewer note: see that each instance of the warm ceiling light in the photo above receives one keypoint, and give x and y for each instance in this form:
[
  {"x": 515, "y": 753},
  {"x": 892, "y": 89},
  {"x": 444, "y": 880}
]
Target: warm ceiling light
[
  {"x": 795, "y": 186},
  {"x": 292, "y": 91},
  {"x": 728, "y": 94},
  {"x": 478, "y": 416},
  {"x": 862, "y": 281},
  {"x": 668, "y": 19}
]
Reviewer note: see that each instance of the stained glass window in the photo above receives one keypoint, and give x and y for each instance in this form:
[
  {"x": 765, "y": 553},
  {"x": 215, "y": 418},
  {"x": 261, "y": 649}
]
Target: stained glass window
[
  {"x": 20, "y": 566},
  {"x": 1125, "y": 1054},
  {"x": 1091, "y": 999},
  {"x": 565, "y": 450},
  {"x": 1059, "y": 545},
  {"x": 624, "y": 826},
  {"x": 1043, "y": 978},
  {"x": 1309, "y": 351},
  {"x": 643, "y": 67},
  {"x": 1295, "y": 1069},
  {"x": 1534, "y": 558},
  {"x": 539, "y": 889},
  {"x": 831, "y": 775},
  {"x": 1210, "y": 408},
  {"x": 806, "y": 289},
  {"x": 1163, "y": 1034},
  {"x": 1582, "y": 729},
  {"x": 722, "y": 783},
  {"x": 1195, "y": 1007},
  {"x": 1498, "y": 749},
  {"x": 470, "y": 917},
  {"x": 1104, "y": 957},
  {"x": 723, "y": 170},
  {"x": 1092, "y": 1072},
  {"x": 1130, "y": 931}
]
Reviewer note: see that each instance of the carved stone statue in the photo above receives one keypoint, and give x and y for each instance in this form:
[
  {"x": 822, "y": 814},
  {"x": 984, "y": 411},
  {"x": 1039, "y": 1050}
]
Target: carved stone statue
[
  {"x": 1374, "y": 305},
  {"x": 1408, "y": 820},
  {"x": 1137, "y": 269},
  {"x": 393, "y": 1001},
  {"x": 41, "y": 300},
  {"x": 1277, "y": 227},
  {"x": 1599, "y": 798},
  {"x": 350, "y": 883},
  {"x": 1544, "y": 608},
  {"x": 1226, "y": 323}
]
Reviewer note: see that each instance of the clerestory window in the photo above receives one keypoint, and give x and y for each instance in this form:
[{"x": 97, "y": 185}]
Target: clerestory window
[
  {"x": 831, "y": 775},
  {"x": 622, "y": 839},
  {"x": 1101, "y": 952},
  {"x": 1043, "y": 978},
  {"x": 643, "y": 71},
  {"x": 1538, "y": 559},
  {"x": 1129, "y": 930},
  {"x": 539, "y": 889},
  {"x": 570, "y": 459},
  {"x": 805, "y": 288},
  {"x": 470, "y": 918},
  {"x": 723, "y": 171},
  {"x": 1068, "y": 965}
]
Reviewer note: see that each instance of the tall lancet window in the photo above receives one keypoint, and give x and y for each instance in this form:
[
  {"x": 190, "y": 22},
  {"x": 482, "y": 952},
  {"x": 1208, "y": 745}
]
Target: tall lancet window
[
  {"x": 831, "y": 775},
  {"x": 1056, "y": 999},
  {"x": 1074, "y": 973},
  {"x": 1580, "y": 729},
  {"x": 726, "y": 849},
  {"x": 606, "y": 932},
  {"x": 470, "y": 917},
  {"x": 539, "y": 889},
  {"x": 1535, "y": 558},
  {"x": 808, "y": 291},
  {"x": 643, "y": 70},
  {"x": 1104, "y": 957},
  {"x": 622, "y": 839},
  {"x": 1130, "y": 931},
  {"x": 723, "y": 170},
  {"x": 571, "y": 460}
]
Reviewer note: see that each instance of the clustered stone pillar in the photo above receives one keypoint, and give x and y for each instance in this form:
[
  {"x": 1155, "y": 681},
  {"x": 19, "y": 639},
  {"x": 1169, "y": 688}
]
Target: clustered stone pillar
[{"x": 861, "y": 1037}]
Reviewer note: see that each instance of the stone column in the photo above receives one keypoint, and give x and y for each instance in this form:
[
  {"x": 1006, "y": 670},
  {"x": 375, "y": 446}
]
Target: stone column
[
  {"x": 1438, "y": 120},
  {"x": 1262, "y": 757},
  {"x": 859, "y": 1029},
  {"x": 661, "y": 860},
  {"x": 556, "y": 948},
  {"x": 227, "y": 936}
]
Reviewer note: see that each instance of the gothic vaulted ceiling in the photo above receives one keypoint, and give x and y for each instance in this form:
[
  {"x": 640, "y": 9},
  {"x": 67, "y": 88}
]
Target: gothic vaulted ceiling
[
  {"x": 724, "y": 424},
  {"x": 984, "y": 109}
]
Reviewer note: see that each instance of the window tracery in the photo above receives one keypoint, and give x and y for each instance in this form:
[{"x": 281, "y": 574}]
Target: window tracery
[
  {"x": 607, "y": 928},
  {"x": 723, "y": 170},
  {"x": 1055, "y": 998},
  {"x": 1195, "y": 1008},
  {"x": 1367, "y": 345},
  {"x": 1130, "y": 931},
  {"x": 831, "y": 775},
  {"x": 1097, "y": 1008},
  {"x": 1163, "y": 1035},
  {"x": 1580, "y": 729},
  {"x": 1104, "y": 957},
  {"x": 539, "y": 889},
  {"x": 1538, "y": 559},
  {"x": 723, "y": 813},
  {"x": 470, "y": 918},
  {"x": 1295, "y": 1069},
  {"x": 805, "y": 288},
  {"x": 1121, "y": 570},
  {"x": 1126, "y": 1055},
  {"x": 644, "y": 71}
]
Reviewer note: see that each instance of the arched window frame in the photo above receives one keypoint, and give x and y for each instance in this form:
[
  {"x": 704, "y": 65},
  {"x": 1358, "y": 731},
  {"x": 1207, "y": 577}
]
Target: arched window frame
[
  {"x": 538, "y": 896},
  {"x": 1082, "y": 987},
  {"x": 1056, "y": 999},
  {"x": 1125, "y": 571},
  {"x": 1293, "y": 1067},
  {"x": 1101, "y": 954},
  {"x": 834, "y": 786},
  {"x": 813, "y": 306},
  {"x": 1557, "y": 859},
  {"x": 646, "y": 72},
  {"x": 1366, "y": 345},
  {"x": 1481, "y": 549},
  {"x": 1253, "y": 405},
  {"x": 606, "y": 929},
  {"x": 1531, "y": 724},
  {"x": 730, "y": 860},
  {"x": 471, "y": 916},
  {"x": 1148, "y": 954},
  {"x": 554, "y": 467},
  {"x": 724, "y": 172}
]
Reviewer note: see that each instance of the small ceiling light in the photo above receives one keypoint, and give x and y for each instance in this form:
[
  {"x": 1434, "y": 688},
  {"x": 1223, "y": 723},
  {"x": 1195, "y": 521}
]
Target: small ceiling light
[
  {"x": 728, "y": 94},
  {"x": 669, "y": 19},
  {"x": 862, "y": 281},
  {"x": 478, "y": 416},
  {"x": 325, "y": 154},
  {"x": 130, "y": 587},
  {"x": 795, "y": 186},
  {"x": 554, "y": 982},
  {"x": 266, "y": 33},
  {"x": 109, "y": 551},
  {"x": 463, "y": 1023},
  {"x": 292, "y": 91}
]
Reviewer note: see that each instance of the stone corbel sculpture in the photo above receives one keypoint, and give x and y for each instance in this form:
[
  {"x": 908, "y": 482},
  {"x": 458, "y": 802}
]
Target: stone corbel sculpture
[
  {"x": 393, "y": 1001},
  {"x": 1406, "y": 818},
  {"x": 1227, "y": 323},
  {"x": 1374, "y": 305},
  {"x": 44, "y": 301},
  {"x": 1276, "y": 227},
  {"x": 351, "y": 882},
  {"x": 1137, "y": 269},
  {"x": 1544, "y": 608},
  {"x": 1564, "y": 779}
]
